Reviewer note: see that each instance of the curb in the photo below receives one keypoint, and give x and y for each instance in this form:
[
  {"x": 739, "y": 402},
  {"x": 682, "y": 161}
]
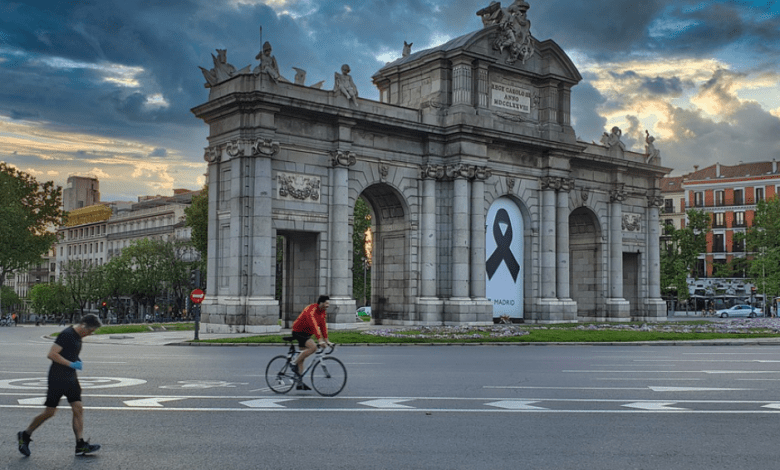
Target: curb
[{"x": 612, "y": 343}]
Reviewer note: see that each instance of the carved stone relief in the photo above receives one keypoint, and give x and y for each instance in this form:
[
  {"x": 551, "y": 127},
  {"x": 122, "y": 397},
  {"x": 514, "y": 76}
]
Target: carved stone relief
[
  {"x": 632, "y": 222},
  {"x": 298, "y": 187},
  {"x": 212, "y": 154}
]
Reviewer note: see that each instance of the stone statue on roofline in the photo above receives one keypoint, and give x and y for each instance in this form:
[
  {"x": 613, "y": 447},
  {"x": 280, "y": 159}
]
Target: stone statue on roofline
[
  {"x": 221, "y": 71},
  {"x": 612, "y": 140},
  {"x": 342, "y": 83},
  {"x": 407, "y": 49},
  {"x": 650, "y": 151},
  {"x": 268, "y": 64},
  {"x": 514, "y": 29}
]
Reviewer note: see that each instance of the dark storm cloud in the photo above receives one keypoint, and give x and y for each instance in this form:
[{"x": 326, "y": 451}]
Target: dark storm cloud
[
  {"x": 585, "y": 102},
  {"x": 663, "y": 86}
]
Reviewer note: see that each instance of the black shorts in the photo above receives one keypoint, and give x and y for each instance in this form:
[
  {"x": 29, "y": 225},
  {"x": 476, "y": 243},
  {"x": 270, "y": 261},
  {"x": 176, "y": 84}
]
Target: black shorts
[
  {"x": 301, "y": 337},
  {"x": 69, "y": 387}
]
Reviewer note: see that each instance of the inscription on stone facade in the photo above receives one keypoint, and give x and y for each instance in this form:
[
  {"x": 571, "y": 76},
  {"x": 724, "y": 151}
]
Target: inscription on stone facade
[
  {"x": 298, "y": 187},
  {"x": 510, "y": 98}
]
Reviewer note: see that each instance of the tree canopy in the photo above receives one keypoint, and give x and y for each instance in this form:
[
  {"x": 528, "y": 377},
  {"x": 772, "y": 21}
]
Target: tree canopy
[
  {"x": 28, "y": 212},
  {"x": 762, "y": 241},
  {"x": 682, "y": 249}
]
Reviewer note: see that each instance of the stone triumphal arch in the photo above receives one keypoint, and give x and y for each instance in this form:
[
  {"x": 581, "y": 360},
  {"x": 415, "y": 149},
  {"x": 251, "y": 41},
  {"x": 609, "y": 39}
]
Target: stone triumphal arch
[{"x": 484, "y": 202}]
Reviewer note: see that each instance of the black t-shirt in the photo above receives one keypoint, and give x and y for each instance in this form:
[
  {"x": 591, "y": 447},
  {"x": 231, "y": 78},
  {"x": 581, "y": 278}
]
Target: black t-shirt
[{"x": 70, "y": 341}]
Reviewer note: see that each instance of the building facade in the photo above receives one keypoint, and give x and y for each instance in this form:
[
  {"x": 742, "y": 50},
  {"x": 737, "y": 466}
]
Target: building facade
[
  {"x": 483, "y": 202},
  {"x": 81, "y": 191},
  {"x": 730, "y": 194}
]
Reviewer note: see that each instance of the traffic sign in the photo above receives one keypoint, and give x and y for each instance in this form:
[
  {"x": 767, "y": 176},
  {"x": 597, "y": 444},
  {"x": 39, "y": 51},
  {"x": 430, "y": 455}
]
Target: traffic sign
[{"x": 197, "y": 296}]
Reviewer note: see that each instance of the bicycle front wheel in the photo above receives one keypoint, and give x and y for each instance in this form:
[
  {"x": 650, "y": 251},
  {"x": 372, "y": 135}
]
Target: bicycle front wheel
[
  {"x": 279, "y": 375},
  {"x": 329, "y": 377}
]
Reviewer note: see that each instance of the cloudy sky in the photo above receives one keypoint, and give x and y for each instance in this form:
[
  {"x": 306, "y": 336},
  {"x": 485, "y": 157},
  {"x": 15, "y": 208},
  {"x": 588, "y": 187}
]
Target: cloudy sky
[{"x": 105, "y": 87}]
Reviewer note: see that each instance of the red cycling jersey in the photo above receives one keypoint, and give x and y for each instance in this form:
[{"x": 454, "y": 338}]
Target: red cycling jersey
[{"x": 313, "y": 321}]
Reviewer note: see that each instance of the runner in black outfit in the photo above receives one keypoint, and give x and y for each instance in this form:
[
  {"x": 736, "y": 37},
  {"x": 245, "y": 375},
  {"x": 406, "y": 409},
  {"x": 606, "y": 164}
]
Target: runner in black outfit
[{"x": 64, "y": 354}]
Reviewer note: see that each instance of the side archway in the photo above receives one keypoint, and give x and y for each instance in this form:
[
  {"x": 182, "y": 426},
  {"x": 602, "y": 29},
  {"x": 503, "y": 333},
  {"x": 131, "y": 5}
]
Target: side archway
[
  {"x": 390, "y": 288},
  {"x": 585, "y": 250}
]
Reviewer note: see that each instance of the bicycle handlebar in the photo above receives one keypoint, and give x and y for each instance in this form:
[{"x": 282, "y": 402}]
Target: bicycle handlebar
[{"x": 326, "y": 349}]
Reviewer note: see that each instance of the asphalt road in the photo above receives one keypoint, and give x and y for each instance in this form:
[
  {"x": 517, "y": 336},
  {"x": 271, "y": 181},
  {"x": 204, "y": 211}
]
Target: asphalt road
[{"x": 404, "y": 407}]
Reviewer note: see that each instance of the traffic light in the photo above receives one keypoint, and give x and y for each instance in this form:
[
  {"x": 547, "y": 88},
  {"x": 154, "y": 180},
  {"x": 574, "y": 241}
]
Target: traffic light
[
  {"x": 104, "y": 307},
  {"x": 753, "y": 290},
  {"x": 195, "y": 278}
]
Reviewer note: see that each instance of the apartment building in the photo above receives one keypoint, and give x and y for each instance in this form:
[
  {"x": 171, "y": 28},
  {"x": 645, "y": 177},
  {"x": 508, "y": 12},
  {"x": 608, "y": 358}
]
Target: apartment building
[{"x": 730, "y": 194}]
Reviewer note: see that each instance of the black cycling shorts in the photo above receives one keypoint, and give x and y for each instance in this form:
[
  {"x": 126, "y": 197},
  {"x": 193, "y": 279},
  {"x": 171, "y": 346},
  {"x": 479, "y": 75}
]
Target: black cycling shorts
[
  {"x": 301, "y": 337},
  {"x": 69, "y": 387}
]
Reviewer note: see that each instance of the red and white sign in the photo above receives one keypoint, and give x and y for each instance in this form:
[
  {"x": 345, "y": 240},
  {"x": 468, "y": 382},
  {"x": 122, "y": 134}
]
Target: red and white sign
[{"x": 197, "y": 296}]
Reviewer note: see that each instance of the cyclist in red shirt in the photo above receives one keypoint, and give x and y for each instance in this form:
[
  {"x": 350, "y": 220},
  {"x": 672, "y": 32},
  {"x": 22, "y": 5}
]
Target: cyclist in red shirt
[{"x": 312, "y": 321}]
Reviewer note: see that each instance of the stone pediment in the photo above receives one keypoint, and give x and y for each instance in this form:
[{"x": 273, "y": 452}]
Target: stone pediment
[{"x": 548, "y": 61}]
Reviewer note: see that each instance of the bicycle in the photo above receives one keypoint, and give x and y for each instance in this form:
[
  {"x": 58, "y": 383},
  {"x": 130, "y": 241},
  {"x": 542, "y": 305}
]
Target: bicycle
[{"x": 327, "y": 374}]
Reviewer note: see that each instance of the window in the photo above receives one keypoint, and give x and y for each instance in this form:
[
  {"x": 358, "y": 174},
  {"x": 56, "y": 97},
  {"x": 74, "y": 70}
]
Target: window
[
  {"x": 718, "y": 242},
  {"x": 759, "y": 194},
  {"x": 739, "y": 197},
  {"x": 698, "y": 199},
  {"x": 668, "y": 206},
  {"x": 720, "y": 198},
  {"x": 719, "y": 219},
  {"x": 739, "y": 219},
  {"x": 738, "y": 246}
]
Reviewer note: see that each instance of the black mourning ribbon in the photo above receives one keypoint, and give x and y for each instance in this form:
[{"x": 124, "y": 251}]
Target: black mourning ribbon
[{"x": 503, "y": 247}]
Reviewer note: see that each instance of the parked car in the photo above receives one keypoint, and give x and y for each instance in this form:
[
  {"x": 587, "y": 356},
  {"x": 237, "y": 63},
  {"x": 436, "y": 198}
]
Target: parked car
[
  {"x": 363, "y": 312},
  {"x": 740, "y": 311}
]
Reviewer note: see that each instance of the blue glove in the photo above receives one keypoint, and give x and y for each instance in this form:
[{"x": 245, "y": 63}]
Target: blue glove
[{"x": 76, "y": 365}]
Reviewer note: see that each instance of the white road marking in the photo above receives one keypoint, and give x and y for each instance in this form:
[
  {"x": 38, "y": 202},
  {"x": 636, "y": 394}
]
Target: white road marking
[
  {"x": 385, "y": 404},
  {"x": 515, "y": 405},
  {"x": 32, "y": 401},
  {"x": 266, "y": 403},
  {"x": 654, "y": 406},
  {"x": 151, "y": 402},
  {"x": 697, "y": 389}
]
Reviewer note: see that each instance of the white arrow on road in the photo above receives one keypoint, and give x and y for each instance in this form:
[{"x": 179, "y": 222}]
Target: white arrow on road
[
  {"x": 150, "y": 402},
  {"x": 774, "y": 406},
  {"x": 266, "y": 402},
  {"x": 32, "y": 401},
  {"x": 515, "y": 405},
  {"x": 654, "y": 406},
  {"x": 385, "y": 404},
  {"x": 696, "y": 389}
]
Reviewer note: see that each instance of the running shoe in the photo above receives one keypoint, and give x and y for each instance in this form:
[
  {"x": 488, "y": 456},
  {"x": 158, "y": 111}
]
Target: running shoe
[
  {"x": 24, "y": 443},
  {"x": 84, "y": 448}
]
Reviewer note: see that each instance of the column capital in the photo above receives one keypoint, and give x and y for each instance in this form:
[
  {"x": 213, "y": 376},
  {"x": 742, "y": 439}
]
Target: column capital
[
  {"x": 342, "y": 158},
  {"x": 212, "y": 154},
  {"x": 618, "y": 193},
  {"x": 267, "y": 147},
  {"x": 557, "y": 183},
  {"x": 435, "y": 172},
  {"x": 654, "y": 200}
]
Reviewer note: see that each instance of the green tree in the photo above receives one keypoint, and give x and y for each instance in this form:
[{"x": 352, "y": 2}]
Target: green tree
[
  {"x": 682, "y": 249},
  {"x": 28, "y": 211},
  {"x": 9, "y": 300},
  {"x": 198, "y": 219},
  {"x": 82, "y": 281},
  {"x": 361, "y": 223},
  {"x": 50, "y": 299},
  {"x": 762, "y": 241},
  {"x": 115, "y": 284}
]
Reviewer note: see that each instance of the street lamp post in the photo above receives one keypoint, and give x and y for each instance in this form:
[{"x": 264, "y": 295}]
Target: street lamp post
[{"x": 365, "y": 268}]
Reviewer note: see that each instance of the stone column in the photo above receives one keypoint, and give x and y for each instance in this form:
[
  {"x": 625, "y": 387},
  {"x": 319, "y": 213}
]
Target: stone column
[
  {"x": 428, "y": 233},
  {"x": 617, "y": 306},
  {"x": 429, "y": 307},
  {"x": 563, "y": 264},
  {"x": 483, "y": 86},
  {"x": 548, "y": 238},
  {"x": 478, "y": 287},
  {"x": 654, "y": 305},
  {"x": 342, "y": 305},
  {"x": 461, "y": 237}
]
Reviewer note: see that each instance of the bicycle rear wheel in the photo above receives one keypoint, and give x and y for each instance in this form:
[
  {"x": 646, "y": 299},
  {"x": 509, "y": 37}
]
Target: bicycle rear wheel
[
  {"x": 279, "y": 376},
  {"x": 329, "y": 377}
]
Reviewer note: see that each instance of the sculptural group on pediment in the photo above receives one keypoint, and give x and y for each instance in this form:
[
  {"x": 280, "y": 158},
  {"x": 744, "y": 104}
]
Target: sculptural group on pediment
[
  {"x": 268, "y": 64},
  {"x": 514, "y": 29}
]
